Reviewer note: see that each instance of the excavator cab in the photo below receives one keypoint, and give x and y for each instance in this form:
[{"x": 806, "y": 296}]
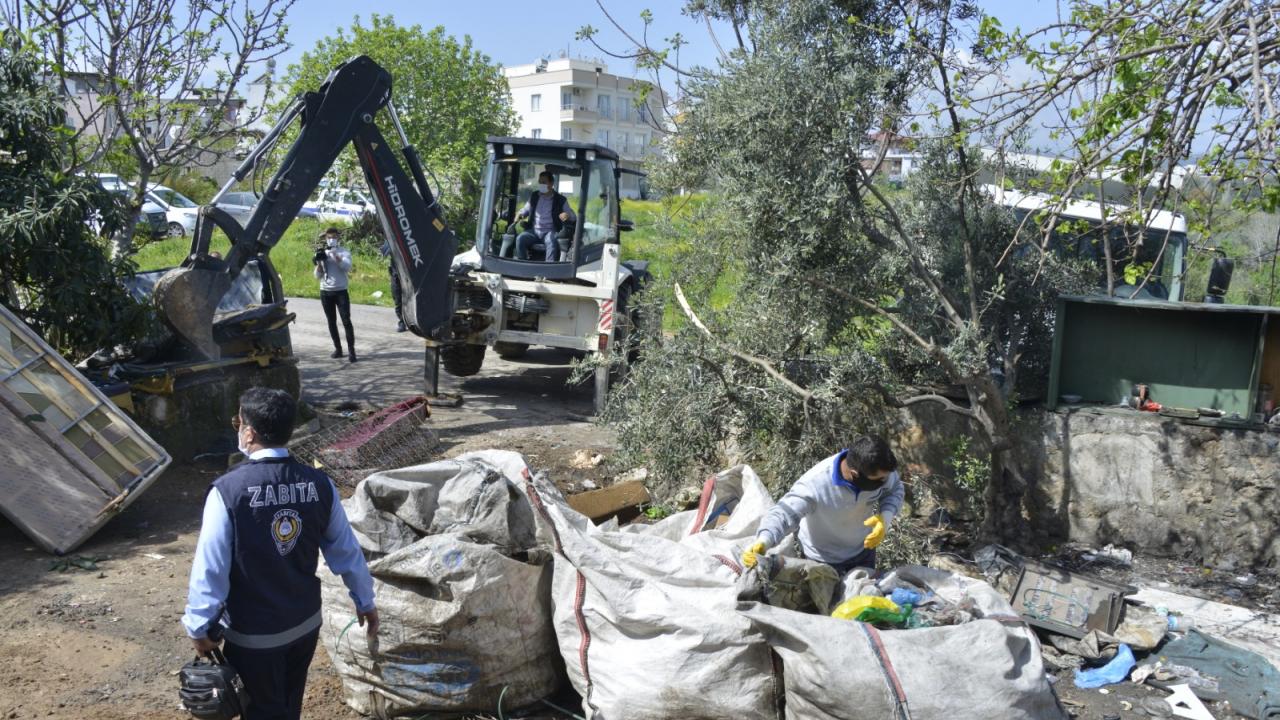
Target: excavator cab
[{"x": 510, "y": 241}]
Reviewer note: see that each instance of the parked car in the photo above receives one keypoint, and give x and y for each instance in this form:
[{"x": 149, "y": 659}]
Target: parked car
[
  {"x": 179, "y": 210},
  {"x": 339, "y": 205},
  {"x": 153, "y": 220},
  {"x": 239, "y": 205}
]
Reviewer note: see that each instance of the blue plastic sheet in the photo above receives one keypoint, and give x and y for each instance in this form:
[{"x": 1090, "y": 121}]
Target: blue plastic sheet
[{"x": 1113, "y": 672}]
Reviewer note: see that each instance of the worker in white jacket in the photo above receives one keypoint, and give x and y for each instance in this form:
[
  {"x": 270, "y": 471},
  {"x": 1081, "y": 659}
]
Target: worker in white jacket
[{"x": 842, "y": 507}]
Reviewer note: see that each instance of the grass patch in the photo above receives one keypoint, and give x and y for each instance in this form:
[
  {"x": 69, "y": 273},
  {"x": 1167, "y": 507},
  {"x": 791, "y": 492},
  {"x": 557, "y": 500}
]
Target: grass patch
[{"x": 292, "y": 258}]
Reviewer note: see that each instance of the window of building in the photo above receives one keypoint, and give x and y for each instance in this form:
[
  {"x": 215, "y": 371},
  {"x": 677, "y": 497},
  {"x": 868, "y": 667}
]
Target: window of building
[
  {"x": 566, "y": 133},
  {"x": 642, "y": 114},
  {"x": 602, "y": 137},
  {"x": 566, "y": 100},
  {"x": 624, "y": 109},
  {"x": 535, "y": 133},
  {"x": 622, "y": 142},
  {"x": 604, "y": 104},
  {"x": 535, "y": 103}
]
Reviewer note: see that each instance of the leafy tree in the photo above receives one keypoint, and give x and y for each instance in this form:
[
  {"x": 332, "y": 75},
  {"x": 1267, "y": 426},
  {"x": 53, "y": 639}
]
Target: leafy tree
[
  {"x": 848, "y": 297},
  {"x": 1169, "y": 97},
  {"x": 54, "y": 268},
  {"x": 167, "y": 75},
  {"x": 449, "y": 97}
]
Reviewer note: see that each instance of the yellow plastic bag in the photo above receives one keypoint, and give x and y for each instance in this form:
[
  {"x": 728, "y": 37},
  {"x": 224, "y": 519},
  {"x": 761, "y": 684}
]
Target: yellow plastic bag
[{"x": 851, "y": 608}]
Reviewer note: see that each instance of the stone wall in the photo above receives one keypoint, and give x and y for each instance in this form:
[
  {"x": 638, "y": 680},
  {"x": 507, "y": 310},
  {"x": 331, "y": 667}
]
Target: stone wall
[{"x": 1148, "y": 483}]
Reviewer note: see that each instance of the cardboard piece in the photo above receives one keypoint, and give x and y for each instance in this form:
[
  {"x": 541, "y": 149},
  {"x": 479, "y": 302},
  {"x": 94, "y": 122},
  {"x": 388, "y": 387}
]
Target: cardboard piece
[{"x": 599, "y": 504}]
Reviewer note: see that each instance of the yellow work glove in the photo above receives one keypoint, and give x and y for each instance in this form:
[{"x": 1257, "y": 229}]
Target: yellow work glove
[
  {"x": 752, "y": 554},
  {"x": 876, "y": 536}
]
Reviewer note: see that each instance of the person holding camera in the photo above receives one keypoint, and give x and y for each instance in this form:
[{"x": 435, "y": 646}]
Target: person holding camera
[{"x": 332, "y": 265}]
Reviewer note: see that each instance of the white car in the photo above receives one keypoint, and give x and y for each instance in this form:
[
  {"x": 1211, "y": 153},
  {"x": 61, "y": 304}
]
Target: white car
[
  {"x": 153, "y": 216},
  {"x": 180, "y": 211},
  {"x": 339, "y": 205}
]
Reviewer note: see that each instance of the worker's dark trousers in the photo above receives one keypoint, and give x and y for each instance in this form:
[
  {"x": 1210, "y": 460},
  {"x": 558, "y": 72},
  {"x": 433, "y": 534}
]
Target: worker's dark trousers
[
  {"x": 395, "y": 291},
  {"x": 335, "y": 302},
  {"x": 275, "y": 679}
]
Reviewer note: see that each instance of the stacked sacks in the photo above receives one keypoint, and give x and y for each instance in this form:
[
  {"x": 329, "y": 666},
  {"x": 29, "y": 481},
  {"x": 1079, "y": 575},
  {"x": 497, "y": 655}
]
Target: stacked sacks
[{"x": 463, "y": 592}]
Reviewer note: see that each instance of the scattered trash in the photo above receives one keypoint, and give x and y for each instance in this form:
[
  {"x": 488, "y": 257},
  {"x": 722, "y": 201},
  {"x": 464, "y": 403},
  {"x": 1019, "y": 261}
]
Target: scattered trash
[
  {"x": 1164, "y": 676},
  {"x": 1156, "y": 707},
  {"x": 1113, "y": 672},
  {"x": 1060, "y": 660},
  {"x": 850, "y": 609},
  {"x": 1246, "y": 679},
  {"x": 600, "y": 504},
  {"x": 1112, "y": 554},
  {"x": 1184, "y": 703},
  {"x": 81, "y": 562},
  {"x": 153, "y": 556},
  {"x": 1247, "y": 580},
  {"x": 394, "y": 437},
  {"x": 589, "y": 485},
  {"x": 584, "y": 459},
  {"x": 376, "y": 294},
  {"x": 906, "y": 596},
  {"x": 633, "y": 475}
]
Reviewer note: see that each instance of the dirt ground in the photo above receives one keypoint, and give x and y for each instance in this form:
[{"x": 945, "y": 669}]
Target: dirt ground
[
  {"x": 106, "y": 643},
  {"x": 103, "y": 640}
]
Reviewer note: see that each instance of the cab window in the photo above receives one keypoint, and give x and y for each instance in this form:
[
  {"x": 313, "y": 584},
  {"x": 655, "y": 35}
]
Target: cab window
[{"x": 597, "y": 217}]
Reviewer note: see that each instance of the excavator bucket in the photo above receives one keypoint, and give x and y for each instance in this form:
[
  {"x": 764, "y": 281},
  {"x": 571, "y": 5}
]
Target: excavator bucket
[{"x": 187, "y": 298}]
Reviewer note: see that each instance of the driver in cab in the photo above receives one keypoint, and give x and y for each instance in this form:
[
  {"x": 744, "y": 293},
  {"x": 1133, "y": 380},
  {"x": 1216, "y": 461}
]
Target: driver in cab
[{"x": 550, "y": 212}]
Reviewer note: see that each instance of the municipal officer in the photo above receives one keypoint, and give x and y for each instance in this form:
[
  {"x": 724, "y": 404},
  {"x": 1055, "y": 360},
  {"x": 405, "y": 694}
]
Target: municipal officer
[{"x": 253, "y": 579}]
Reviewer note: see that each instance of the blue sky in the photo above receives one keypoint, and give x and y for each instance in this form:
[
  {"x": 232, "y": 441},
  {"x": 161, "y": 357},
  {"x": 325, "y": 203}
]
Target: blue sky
[
  {"x": 512, "y": 33},
  {"x": 515, "y": 33}
]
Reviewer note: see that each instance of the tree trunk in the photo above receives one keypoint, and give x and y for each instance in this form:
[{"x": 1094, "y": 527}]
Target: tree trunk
[{"x": 1004, "y": 498}]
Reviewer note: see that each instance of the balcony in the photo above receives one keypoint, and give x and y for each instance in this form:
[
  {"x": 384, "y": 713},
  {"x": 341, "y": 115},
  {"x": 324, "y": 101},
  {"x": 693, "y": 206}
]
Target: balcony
[{"x": 578, "y": 113}]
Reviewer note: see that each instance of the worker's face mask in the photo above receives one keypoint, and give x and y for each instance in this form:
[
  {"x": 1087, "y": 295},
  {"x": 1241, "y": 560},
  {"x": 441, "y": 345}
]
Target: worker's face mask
[
  {"x": 331, "y": 243},
  {"x": 241, "y": 444},
  {"x": 544, "y": 188},
  {"x": 869, "y": 481}
]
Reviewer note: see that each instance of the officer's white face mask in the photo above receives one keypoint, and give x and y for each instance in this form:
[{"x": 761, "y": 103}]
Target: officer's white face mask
[
  {"x": 544, "y": 188},
  {"x": 240, "y": 441}
]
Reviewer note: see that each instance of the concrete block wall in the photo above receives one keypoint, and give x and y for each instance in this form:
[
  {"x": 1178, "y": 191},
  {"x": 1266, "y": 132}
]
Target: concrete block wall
[{"x": 1152, "y": 484}]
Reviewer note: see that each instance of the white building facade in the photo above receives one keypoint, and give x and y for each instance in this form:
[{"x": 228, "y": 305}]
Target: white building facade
[{"x": 579, "y": 100}]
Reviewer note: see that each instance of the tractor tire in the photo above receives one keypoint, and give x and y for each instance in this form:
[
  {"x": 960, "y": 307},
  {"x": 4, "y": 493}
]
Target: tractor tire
[
  {"x": 510, "y": 350},
  {"x": 462, "y": 360}
]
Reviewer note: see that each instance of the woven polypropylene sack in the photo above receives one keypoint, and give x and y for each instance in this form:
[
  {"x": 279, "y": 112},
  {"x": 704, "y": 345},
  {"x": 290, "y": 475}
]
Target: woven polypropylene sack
[
  {"x": 463, "y": 592},
  {"x": 987, "y": 668},
  {"x": 645, "y": 615}
]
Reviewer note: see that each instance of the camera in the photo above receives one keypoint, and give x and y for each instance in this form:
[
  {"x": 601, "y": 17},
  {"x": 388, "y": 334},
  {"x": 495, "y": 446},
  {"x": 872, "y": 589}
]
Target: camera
[{"x": 319, "y": 256}]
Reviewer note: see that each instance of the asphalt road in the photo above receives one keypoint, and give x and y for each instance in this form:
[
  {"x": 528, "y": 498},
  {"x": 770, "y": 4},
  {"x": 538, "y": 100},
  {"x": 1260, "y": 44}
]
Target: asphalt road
[{"x": 527, "y": 401}]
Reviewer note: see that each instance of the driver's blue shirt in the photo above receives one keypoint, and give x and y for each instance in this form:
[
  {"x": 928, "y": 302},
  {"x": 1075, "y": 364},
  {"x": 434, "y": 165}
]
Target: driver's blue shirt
[{"x": 543, "y": 223}]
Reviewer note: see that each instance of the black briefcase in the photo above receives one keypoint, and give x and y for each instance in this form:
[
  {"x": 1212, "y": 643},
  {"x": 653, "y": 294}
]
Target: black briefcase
[{"x": 210, "y": 689}]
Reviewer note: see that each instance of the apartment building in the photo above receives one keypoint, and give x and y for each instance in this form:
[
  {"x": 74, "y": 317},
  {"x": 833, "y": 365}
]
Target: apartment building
[{"x": 579, "y": 99}]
